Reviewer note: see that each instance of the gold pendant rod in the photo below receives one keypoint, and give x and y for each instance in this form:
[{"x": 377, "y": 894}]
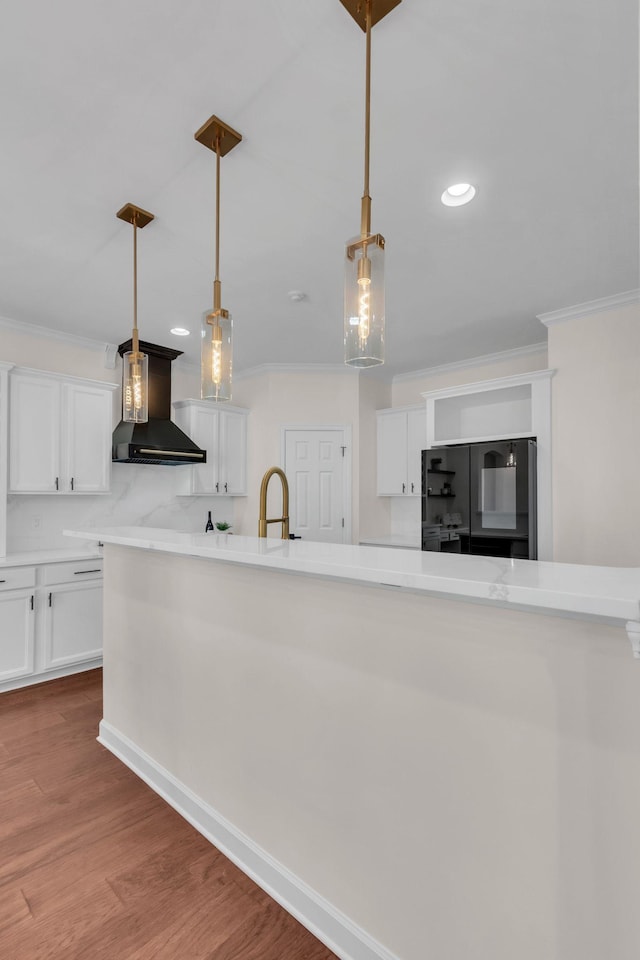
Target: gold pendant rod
[
  {"x": 365, "y": 222},
  {"x": 218, "y": 207},
  {"x": 217, "y": 287},
  {"x": 135, "y": 344}
]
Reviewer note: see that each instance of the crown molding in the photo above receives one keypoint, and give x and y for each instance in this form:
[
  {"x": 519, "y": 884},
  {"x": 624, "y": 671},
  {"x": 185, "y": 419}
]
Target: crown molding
[
  {"x": 581, "y": 310},
  {"x": 62, "y": 377},
  {"x": 483, "y": 360},
  {"x": 335, "y": 368},
  {"x": 35, "y": 330},
  {"x": 483, "y": 386}
]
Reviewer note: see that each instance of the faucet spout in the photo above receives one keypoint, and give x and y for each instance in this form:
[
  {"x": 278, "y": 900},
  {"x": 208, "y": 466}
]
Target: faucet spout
[{"x": 284, "y": 519}]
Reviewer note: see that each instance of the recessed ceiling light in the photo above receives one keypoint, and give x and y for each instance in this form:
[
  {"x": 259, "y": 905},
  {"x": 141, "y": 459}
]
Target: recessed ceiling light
[
  {"x": 458, "y": 194},
  {"x": 180, "y": 331}
]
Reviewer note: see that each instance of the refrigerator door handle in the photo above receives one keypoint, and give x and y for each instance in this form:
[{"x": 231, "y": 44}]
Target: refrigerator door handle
[{"x": 533, "y": 500}]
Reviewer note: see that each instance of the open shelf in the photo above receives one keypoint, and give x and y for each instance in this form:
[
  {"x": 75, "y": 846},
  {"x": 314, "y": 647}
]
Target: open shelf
[
  {"x": 441, "y": 494},
  {"x": 449, "y": 473}
]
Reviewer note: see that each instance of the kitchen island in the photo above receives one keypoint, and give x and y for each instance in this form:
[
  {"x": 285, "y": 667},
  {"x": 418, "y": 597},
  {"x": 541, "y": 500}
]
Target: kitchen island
[{"x": 417, "y": 754}]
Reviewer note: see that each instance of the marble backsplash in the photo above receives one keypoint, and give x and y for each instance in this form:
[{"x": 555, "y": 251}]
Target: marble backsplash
[{"x": 141, "y": 494}]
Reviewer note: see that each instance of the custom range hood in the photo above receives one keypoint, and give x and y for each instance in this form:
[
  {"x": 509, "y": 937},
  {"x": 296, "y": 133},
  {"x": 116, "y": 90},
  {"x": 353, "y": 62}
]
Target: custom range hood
[{"x": 158, "y": 440}]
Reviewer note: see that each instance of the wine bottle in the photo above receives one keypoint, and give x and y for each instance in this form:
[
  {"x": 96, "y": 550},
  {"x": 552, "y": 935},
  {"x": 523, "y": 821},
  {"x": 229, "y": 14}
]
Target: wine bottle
[{"x": 209, "y": 525}]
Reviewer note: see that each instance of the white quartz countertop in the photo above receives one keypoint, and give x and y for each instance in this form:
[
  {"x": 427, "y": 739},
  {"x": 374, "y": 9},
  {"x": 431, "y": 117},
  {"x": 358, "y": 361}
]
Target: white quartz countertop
[
  {"x": 592, "y": 591},
  {"x": 29, "y": 557}
]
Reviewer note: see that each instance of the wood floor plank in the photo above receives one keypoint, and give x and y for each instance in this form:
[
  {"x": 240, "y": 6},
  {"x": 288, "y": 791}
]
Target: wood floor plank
[
  {"x": 11, "y": 797},
  {"x": 96, "y": 860},
  {"x": 95, "y": 866},
  {"x": 197, "y": 931},
  {"x": 271, "y": 934},
  {"x": 89, "y": 680},
  {"x": 57, "y": 936},
  {"x": 14, "y": 909}
]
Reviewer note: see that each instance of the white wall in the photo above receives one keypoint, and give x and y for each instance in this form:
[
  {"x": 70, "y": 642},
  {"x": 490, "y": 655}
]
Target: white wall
[
  {"x": 596, "y": 443},
  {"x": 140, "y": 494},
  {"x": 277, "y": 398}
]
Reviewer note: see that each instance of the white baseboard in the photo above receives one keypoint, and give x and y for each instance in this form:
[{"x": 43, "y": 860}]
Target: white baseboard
[{"x": 321, "y": 918}]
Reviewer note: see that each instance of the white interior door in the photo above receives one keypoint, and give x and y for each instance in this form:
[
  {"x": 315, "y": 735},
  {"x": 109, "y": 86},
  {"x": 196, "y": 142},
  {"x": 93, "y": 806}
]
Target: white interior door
[{"x": 315, "y": 468}]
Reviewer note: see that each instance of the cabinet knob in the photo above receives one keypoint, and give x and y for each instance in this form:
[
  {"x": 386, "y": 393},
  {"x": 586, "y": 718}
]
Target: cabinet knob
[
  {"x": 31, "y": 604},
  {"x": 49, "y": 599},
  {"x": 226, "y": 488},
  {"x": 412, "y": 488},
  {"x": 57, "y": 483},
  {"x": 72, "y": 483},
  {"x": 404, "y": 487},
  {"x": 217, "y": 487}
]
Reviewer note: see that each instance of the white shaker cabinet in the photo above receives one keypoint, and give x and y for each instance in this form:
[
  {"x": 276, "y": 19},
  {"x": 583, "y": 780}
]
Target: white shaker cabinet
[
  {"x": 50, "y": 620},
  {"x": 17, "y": 626},
  {"x": 402, "y": 435},
  {"x": 72, "y": 624},
  {"x": 222, "y": 432},
  {"x": 59, "y": 434}
]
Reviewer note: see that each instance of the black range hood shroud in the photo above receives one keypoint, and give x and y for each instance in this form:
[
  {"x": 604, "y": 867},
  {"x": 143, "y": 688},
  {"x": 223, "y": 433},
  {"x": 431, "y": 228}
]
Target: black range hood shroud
[{"x": 159, "y": 441}]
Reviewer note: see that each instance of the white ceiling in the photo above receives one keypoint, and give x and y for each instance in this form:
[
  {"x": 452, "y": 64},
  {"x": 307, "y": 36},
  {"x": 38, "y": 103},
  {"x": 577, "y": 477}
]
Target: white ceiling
[{"x": 535, "y": 102}]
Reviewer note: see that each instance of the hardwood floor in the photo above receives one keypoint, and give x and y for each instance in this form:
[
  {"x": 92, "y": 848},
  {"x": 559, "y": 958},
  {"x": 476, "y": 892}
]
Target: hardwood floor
[{"x": 95, "y": 866}]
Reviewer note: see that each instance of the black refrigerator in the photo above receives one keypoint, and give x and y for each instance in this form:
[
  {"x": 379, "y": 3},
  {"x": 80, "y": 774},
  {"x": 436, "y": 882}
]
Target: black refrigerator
[{"x": 480, "y": 498}]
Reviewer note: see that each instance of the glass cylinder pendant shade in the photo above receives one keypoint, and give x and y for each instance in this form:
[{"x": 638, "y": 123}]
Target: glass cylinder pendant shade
[
  {"x": 135, "y": 387},
  {"x": 364, "y": 302},
  {"x": 216, "y": 357}
]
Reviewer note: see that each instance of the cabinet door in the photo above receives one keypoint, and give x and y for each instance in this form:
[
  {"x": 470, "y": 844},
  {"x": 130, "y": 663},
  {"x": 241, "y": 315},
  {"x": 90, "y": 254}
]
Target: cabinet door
[
  {"x": 416, "y": 443},
  {"x": 34, "y": 434},
  {"x": 232, "y": 452},
  {"x": 392, "y": 454},
  {"x": 73, "y": 624},
  {"x": 16, "y": 635},
  {"x": 203, "y": 430},
  {"x": 87, "y": 435}
]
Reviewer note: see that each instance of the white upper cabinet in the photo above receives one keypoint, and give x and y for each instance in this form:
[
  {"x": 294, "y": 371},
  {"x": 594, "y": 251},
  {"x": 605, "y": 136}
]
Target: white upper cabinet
[
  {"x": 232, "y": 451},
  {"x": 401, "y": 439},
  {"x": 34, "y": 434},
  {"x": 59, "y": 434},
  {"x": 86, "y": 418},
  {"x": 222, "y": 432},
  {"x": 503, "y": 409}
]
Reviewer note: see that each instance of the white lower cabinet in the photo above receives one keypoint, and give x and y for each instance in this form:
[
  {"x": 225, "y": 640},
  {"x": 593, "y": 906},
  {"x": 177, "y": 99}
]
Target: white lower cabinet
[
  {"x": 73, "y": 624},
  {"x": 50, "y": 620},
  {"x": 17, "y": 632}
]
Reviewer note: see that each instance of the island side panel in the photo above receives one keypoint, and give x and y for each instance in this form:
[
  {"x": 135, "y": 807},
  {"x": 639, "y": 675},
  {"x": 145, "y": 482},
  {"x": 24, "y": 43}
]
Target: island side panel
[{"x": 446, "y": 774}]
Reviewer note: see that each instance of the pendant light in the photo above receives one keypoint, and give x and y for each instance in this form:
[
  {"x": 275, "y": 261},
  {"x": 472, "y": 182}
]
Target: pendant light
[
  {"x": 364, "y": 267},
  {"x": 135, "y": 364},
  {"x": 217, "y": 329}
]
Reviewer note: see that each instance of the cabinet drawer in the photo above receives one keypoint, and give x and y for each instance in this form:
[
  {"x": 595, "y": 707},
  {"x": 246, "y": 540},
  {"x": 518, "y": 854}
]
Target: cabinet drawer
[
  {"x": 71, "y": 572},
  {"x": 14, "y": 578}
]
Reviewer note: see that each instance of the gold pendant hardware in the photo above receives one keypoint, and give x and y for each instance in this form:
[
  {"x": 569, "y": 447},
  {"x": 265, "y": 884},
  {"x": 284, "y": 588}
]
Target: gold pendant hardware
[
  {"x": 136, "y": 216},
  {"x": 213, "y": 129},
  {"x": 373, "y": 240},
  {"x": 379, "y": 10}
]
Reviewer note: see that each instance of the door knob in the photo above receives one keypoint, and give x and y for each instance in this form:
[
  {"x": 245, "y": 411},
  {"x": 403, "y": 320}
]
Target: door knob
[{"x": 292, "y": 536}]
